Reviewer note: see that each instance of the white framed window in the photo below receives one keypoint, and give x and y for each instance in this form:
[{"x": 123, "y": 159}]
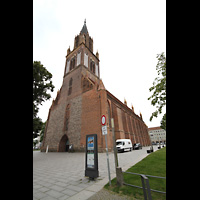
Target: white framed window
[
  {"x": 67, "y": 68},
  {"x": 96, "y": 70},
  {"x": 79, "y": 58},
  {"x": 86, "y": 60}
]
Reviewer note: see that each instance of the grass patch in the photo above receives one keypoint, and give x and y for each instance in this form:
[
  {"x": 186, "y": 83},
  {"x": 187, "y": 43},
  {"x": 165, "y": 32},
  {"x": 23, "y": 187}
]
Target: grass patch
[{"x": 154, "y": 164}]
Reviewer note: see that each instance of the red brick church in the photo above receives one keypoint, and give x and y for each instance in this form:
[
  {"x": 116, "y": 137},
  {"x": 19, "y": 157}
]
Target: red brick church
[{"x": 82, "y": 100}]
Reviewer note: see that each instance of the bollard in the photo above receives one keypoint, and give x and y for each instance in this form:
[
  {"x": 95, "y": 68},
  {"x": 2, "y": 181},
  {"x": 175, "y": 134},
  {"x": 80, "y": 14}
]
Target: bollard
[
  {"x": 71, "y": 149},
  {"x": 47, "y": 148},
  {"x": 151, "y": 150},
  {"x": 148, "y": 151},
  {"x": 120, "y": 178}
]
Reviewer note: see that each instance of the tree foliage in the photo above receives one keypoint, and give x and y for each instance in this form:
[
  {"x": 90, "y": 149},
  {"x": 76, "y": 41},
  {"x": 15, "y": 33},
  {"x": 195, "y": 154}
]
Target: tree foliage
[
  {"x": 158, "y": 98},
  {"x": 42, "y": 83},
  {"x": 163, "y": 122}
]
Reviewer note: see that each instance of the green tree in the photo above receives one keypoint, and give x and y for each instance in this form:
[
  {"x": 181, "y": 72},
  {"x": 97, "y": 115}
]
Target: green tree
[
  {"x": 163, "y": 122},
  {"x": 158, "y": 98},
  {"x": 42, "y": 131},
  {"x": 42, "y": 83}
]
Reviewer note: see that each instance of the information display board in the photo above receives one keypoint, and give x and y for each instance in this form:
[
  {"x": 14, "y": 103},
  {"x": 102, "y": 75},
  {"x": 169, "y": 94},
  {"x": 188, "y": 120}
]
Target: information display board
[
  {"x": 90, "y": 153},
  {"x": 91, "y": 157}
]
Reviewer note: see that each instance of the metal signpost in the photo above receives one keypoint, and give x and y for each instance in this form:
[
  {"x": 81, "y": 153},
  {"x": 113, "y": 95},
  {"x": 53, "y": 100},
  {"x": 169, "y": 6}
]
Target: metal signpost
[{"x": 104, "y": 132}]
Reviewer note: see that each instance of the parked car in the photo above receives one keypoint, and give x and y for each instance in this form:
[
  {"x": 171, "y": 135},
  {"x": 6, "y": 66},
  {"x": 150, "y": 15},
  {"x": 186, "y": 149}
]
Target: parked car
[
  {"x": 137, "y": 146},
  {"x": 124, "y": 145}
]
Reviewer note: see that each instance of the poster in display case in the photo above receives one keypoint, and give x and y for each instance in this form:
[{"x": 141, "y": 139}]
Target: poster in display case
[{"x": 91, "y": 156}]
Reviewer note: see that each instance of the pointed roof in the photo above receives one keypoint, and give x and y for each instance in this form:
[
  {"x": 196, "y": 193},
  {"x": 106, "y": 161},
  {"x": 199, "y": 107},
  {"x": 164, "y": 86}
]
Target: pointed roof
[{"x": 84, "y": 29}]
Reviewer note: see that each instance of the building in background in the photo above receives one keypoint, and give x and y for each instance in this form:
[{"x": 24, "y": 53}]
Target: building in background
[
  {"x": 157, "y": 134},
  {"x": 82, "y": 100}
]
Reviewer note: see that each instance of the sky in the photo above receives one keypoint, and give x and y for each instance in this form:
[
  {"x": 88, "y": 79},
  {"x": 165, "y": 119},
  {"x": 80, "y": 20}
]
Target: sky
[{"x": 127, "y": 34}]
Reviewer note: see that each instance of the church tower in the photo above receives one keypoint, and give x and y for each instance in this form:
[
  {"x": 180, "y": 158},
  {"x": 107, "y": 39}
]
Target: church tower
[
  {"x": 82, "y": 100},
  {"x": 81, "y": 74},
  {"x": 82, "y": 53}
]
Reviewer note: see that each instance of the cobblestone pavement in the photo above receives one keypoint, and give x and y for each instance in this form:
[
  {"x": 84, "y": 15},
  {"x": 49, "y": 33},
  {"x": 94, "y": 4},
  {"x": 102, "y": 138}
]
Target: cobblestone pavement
[{"x": 61, "y": 176}]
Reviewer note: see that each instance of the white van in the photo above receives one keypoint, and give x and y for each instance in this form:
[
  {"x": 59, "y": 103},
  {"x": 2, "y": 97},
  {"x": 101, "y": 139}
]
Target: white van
[{"x": 124, "y": 145}]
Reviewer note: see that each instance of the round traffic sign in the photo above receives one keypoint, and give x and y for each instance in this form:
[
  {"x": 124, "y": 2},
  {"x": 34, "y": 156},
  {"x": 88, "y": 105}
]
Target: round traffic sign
[{"x": 103, "y": 120}]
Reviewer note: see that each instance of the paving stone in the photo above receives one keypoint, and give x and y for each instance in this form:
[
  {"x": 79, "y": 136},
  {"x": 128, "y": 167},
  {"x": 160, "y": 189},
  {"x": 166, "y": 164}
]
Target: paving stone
[
  {"x": 83, "y": 185},
  {"x": 57, "y": 188},
  {"x": 74, "y": 182},
  {"x": 62, "y": 184},
  {"x": 39, "y": 195},
  {"x": 75, "y": 188},
  {"x": 37, "y": 186},
  {"x": 54, "y": 193},
  {"x": 69, "y": 192},
  {"x": 43, "y": 189},
  {"x": 47, "y": 184},
  {"x": 48, "y": 198},
  {"x": 64, "y": 197}
]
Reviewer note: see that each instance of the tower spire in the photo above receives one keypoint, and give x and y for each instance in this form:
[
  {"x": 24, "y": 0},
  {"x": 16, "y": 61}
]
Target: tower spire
[{"x": 84, "y": 29}]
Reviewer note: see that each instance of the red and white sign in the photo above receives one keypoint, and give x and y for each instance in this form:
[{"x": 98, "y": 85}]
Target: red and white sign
[{"x": 103, "y": 120}]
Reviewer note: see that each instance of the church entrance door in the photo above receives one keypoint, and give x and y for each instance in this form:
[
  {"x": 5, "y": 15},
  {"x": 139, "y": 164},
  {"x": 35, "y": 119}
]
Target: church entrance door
[{"x": 64, "y": 144}]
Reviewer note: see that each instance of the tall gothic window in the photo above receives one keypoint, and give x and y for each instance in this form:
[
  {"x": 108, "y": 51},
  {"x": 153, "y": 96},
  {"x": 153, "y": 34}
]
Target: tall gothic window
[
  {"x": 68, "y": 65},
  {"x": 70, "y": 87},
  {"x": 78, "y": 58},
  {"x": 67, "y": 114},
  {"x": 92, "y": 66},
  {"x": 86, "y": 59},
  {"x": 72, "y": 63}
]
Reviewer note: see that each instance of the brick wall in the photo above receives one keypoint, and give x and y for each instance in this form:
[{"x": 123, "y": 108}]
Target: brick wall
[
  {"x": 127, "y": 124},
  {"x": 91, "y": 116}
]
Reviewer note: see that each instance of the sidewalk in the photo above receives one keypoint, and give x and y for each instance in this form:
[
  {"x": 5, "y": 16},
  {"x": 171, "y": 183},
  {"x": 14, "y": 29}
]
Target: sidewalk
[{"x": 61, "y": 175}]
